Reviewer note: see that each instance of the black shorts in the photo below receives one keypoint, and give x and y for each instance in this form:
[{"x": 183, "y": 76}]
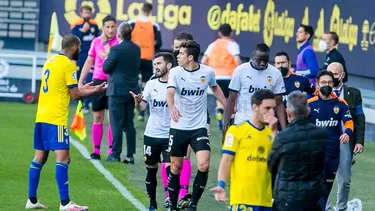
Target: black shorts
[
  {"x": 224, "y": 85},
  {"x": 146, "y": 70},
  {"x": 179, "y": 141},
  {"x": 153, "y": 148},
  {"x": 99, "y": 101}
]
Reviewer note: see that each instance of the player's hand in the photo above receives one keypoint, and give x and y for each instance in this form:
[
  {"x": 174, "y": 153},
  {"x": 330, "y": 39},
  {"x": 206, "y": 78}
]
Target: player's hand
[
  {"x": 80, "y": 85},
  {"x": 175, "y": 114},
  {"x": 137, "y": 98},
  {"x": 85, "y": 27},
  {"x": 98, "y": 88},
  {"x": 344, "y": 138},
  {"x": 272, "y": 121},
  {"x": 358, "y": 149},
  {"x": 102, "y": 54},
  {"x": 219, "y": 194}
]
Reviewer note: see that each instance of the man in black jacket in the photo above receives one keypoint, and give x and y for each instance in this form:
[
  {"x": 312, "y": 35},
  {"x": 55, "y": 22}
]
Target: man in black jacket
[
  {"x": 122, "y": 67},
  {"x": 297, "y": 160},
  {"x": 353, "y": 98}
]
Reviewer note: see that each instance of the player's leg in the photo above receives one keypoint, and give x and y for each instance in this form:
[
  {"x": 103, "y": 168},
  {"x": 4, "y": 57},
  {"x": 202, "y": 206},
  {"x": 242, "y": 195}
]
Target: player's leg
[
  {"x": 99, "y": 104},
  {"x": 201, "y": 146},
  {"x": 223, "y": 83},
  {"x": 166, "y": 163},
  {"x": 40, "y": 158},
  {"x": 151, "y": 153},
  {"x": 164, "y": 179},
  {"x": 185, "y": 181},
  {"x": 87, "y": 100},
  {"x": 109, "y": 133},
  {"x": 330, "y": 174},
  {"x": 178, "y": 144},
  {"x": 58, "y": 141},
  {"x": 344, "y": 174}
]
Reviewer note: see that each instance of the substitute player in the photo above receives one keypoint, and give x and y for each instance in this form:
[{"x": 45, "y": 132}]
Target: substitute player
[
  {"x": 99, "y": 50},
  {"x": 59, "y": 85},
  {"x": 250, "y": 77},
  {"x": 187, "y": 100},
  {"x": 156, "y": 136},
  {"x": 328, "y": 111},
  {"x": 245, "y": 153}
]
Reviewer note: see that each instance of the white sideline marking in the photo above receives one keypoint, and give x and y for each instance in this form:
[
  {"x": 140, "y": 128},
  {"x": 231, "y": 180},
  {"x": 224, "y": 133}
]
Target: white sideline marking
[{"x": 117, "y": 184}]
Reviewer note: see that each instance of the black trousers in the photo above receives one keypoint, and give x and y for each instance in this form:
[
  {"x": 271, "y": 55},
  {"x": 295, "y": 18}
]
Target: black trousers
[{"x": 121, "y": 113}]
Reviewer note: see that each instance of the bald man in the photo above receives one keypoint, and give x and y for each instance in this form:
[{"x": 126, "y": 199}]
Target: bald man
[{"x": 353, "y": 97}]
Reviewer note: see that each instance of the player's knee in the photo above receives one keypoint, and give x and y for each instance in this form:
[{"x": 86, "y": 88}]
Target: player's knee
[
  {"x": 203, "y": 166},
  {"x": 176, "y": 167},
  {"x": 98, "y": 117},
  {"x": 154, "y": 166}
]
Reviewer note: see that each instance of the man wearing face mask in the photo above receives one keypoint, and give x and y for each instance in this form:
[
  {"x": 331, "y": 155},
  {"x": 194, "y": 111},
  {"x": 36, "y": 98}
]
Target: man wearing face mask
[
  {"x": 328, "y": 111},
  {"x": 353, "y": 97},
  {"x": 250, "y": 77},
  {"x": 292, "y": 81},
  {"x": 328, "y": 45}
]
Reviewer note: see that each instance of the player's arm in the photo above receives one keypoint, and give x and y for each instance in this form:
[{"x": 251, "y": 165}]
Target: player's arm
[
  {"x": 204, "y": 59},
  {"x": 310, "y": 88},
  {"x": 359, "y": 120},
  {"x": 347, "y": 119},
  {"x": 86, "y": 69},
  {"x": 279, "y": 90},
  {"x": 234, "y": 87},
  {"x": 216, "y": 90},
  {"x": 111, "y": 61},
  {"x": 142, "y": 99},
  {"x": 157, "y": 32},
  {"x": 234, "y": 50},
  {"x": 312, "y": 64}
]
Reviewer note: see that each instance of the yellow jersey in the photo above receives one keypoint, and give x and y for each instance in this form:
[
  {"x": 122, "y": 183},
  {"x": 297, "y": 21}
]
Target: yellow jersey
[
  {"x": 58, "y": 76},
  {"x": 250, "y": 179}
]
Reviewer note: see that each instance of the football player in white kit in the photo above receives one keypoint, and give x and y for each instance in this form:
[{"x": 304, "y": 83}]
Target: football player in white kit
[
  {"x": 249, "y": 77},
  {"x": 187, "y": 100},
  {"x": 156, "y": 135}
]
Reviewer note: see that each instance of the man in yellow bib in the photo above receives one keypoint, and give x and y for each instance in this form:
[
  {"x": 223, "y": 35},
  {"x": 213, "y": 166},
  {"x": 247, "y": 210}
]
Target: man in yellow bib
[{"x": 245, "y": 153}]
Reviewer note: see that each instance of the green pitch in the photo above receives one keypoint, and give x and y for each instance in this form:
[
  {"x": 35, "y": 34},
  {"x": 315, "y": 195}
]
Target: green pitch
[{"x": 89, "y": 187}]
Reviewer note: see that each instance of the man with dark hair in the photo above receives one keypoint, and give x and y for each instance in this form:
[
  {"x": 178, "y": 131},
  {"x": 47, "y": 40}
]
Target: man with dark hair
[
  {"x": 86, "y": 29},
  {"x": 122, "y": 67},
  {"x": 187, "y": 100},
  {"x": 353, "y": 97},
  {"x": 300, "y": 181},
  {"x": 245, "y": 153},
  {"x": 99, "y": 50},
  {"x": 58, "y": 86},
  {"x": 177, "y": 41},
  {"x": 292, "y": 81},
  {"x": 156, "y": 136},
  {"x": 223, "y": 55},
  {"x": 307, "y": 62},
  {"x": 250, "y": 77},
  {"x": 146, "y": 34},
  {"x": 328, "y": 111},
  {"x": 328, "y": 45}
]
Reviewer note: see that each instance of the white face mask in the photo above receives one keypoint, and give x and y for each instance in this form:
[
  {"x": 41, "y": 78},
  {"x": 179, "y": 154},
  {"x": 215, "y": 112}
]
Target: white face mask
[{"x": 323, "y": 46}]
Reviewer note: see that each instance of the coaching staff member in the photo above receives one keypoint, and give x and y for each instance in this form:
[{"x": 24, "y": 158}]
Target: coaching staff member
[
  {"x": 297, "y": 159},
  {"x": 122, "y": 67}
]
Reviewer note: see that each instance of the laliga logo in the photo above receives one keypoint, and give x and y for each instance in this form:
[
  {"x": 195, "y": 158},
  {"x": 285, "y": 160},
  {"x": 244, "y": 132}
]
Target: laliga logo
[
  {"x": 4, "y": 67},
  {"x": 72, "y": 10}
]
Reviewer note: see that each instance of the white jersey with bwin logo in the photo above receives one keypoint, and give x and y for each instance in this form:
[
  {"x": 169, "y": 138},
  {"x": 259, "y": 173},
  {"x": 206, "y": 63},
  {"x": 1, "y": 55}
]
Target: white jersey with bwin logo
[
  {"x": 191, "y": 95},
  {"x": 159, "y": 122},
  {"x": 246, "y": 80}
]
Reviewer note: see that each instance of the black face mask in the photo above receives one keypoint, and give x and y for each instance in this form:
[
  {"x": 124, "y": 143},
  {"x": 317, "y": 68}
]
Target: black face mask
[
  {"x": 284, "y": 71},
  {"x": 336, "y": 82},
  {"x": 175, "y": 54},
  {"x": 326, "y": 90},
  {"x": 86, "y": 20},
  {"x": 75, "y": 56}
]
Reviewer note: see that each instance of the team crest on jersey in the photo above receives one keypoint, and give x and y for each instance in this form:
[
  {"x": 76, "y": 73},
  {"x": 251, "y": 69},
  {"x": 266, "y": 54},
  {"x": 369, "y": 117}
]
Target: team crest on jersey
[
  {"x": 261, "y": 150},
  {"x": 297, "y": 84},
  {"x": 203, "y": 79},
  {"x": 269, "y": 79},
  {"x": 336, "y": 110},
  {"x": 74, "y": 75}
]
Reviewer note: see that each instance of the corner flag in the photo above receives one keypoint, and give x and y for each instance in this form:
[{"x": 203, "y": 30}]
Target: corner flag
[
  {"x": 55, "y": 38},
  {"x": 78, "y": 124}
]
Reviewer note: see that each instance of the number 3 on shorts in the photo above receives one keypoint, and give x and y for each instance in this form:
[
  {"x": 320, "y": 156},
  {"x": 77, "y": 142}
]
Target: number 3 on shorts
[{"x": 147, "y": 150}]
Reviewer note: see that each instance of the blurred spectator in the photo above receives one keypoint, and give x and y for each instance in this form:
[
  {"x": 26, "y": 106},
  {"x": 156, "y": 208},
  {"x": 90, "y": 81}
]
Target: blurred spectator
[{"x": 86, "y": 30}]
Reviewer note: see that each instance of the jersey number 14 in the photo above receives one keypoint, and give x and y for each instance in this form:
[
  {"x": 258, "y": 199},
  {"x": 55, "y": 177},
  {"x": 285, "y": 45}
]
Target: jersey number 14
[{"x": 46, "y": 77}]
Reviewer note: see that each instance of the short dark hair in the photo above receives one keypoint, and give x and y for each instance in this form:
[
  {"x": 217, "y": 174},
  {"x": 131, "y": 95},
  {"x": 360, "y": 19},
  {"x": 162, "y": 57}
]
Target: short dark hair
[
  {"x": 193, "y": 49},
  {"x": 323, "y": 73},
  {"x": 334, "y": 36},
  {"x": 107, "y": 19},
  {"x": 184, "y": 36},
  {"x": 69, "y": 41},
  {"x": 308, "y": 29},
  {"x": 125, "y": 31},
  {"x": 282, "y": 53},
  {"x": 85, "y": 7},
  {"x": 262, "y": 47},
  {"x": 147, "y": 7},
  {"x": 225, "y": 29},
  {"x": 261, "y": 95},
  {"x": 168, "y": 57}
]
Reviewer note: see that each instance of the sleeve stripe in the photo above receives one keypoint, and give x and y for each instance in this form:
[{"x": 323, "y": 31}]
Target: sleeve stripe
[
  {"x": 228, "y": 152},
  {"x": 232, "y": 90},
  {"x": 358, "y": 110},
  {"x": 171, "y": 87},
  {"x": 72, "y": 86},
  {"x": 144, "y": 101}
]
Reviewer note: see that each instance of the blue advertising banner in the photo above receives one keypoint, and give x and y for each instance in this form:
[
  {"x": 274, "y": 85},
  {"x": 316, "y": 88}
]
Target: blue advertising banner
[{"x": 253, "y": 21}]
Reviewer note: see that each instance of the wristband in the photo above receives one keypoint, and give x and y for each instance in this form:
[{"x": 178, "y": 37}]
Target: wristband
[{"x": 221, "y": 184}]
